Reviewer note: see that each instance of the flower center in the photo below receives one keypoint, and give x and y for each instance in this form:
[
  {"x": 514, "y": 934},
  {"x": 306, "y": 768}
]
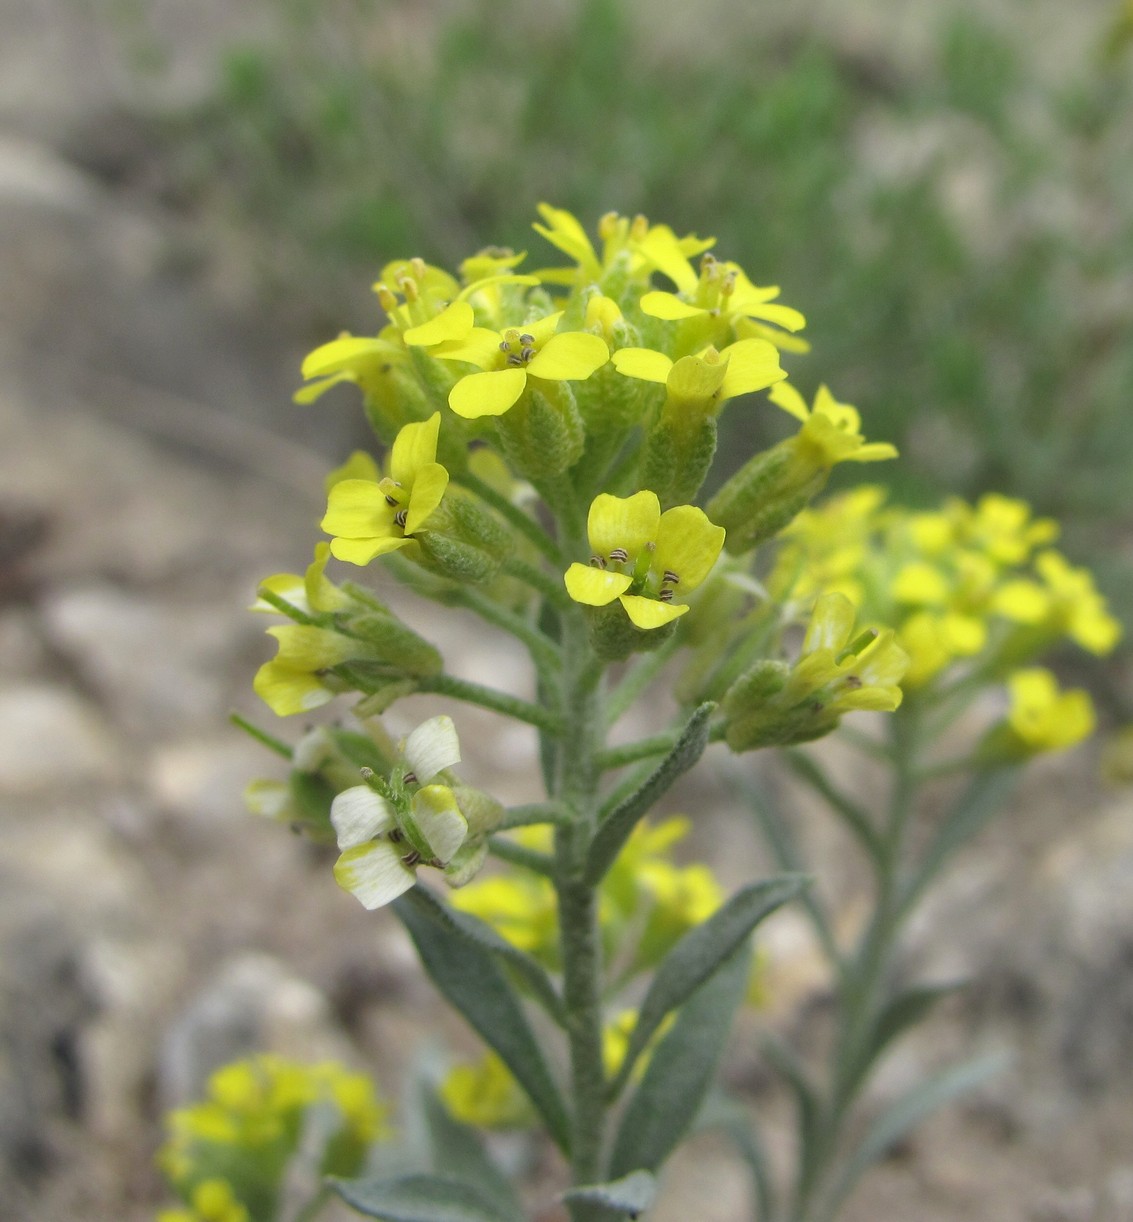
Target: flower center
[{"x": 518, "y": 347}]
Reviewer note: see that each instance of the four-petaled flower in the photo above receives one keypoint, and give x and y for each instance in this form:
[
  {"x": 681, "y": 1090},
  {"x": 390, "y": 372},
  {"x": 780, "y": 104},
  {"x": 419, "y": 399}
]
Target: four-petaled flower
[
  {"x": 507, "y": 359},
  {"x": 703, "y": 382},
  {"x": 385, "y": 836},
  {"x": 371, "y": 518},
  {"x": 643, "y": 557},
  {"x": 830, "y": 432}
]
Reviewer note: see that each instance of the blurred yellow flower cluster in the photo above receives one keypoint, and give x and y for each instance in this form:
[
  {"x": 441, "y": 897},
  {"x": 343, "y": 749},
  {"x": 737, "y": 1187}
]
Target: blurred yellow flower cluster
[
  {"x": 227, "y": 1155},
  {"x": 978, "y": 584}
]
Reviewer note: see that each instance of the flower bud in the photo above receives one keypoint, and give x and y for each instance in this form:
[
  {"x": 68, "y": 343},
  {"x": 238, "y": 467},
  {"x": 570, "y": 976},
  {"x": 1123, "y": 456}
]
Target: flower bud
[
  {"x": 396, "y": 643},
  {"x": 464, "y": 542}
]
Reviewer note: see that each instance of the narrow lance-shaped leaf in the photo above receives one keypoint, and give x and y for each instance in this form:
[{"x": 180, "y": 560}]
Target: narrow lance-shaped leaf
[
  {"x": 620, "y": 822},
  {"x": 729, "y": 1117},
  {"x": 898, "y": 1015},
  {"x": 907, "y": 1112},
  {"x": 415, "y": 1198},
  {"x": 700, "y": 953},
  {"x": 680, "y": 1072},
  {"x": 459, "y": 1153},
  {"x": 480, "y": 933},
  {"x": 470, "y": 979},
  {"x": 631, "y": 1195}
]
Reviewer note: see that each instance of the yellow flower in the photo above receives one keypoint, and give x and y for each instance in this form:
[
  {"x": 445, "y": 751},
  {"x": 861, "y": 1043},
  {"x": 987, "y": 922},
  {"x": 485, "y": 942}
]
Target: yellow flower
[
  {"x": 643, "y": 557},
  {"x": 507, "y": 359},
  {"x": 520, "y": 906},
  {"x": 830, "y": 429},
  {"x": 1040, "y": 718},
  {"x": 296, "y": 679},
  {"x": 721, "y": 297},
  {"x": 368, "y": 518},
  {"x": 632, "y": 246},
  {"x": 485, "y": 1094},
  {"x": 701, "y": 384}
]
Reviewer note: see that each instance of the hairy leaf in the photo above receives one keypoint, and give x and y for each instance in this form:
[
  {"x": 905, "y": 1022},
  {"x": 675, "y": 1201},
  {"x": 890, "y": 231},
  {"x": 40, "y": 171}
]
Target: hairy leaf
[{"x": 415, "y": 1198}]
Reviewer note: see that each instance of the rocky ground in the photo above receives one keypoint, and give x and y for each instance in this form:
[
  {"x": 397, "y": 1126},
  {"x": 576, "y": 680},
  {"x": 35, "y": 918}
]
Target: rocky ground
[{"x": 151, "y": 470}]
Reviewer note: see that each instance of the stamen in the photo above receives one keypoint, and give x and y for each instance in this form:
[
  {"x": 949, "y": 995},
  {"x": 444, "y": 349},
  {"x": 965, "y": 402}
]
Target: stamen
[
  {"x": 671, "y": 578},
  {"x": 410, "y": 778},
  {"x": 392, "y": 501},
  {"x": 598, "y": 562},
  {"x": 505, "y": 346},
  {"x": 514, "y": 359},
  {"x": 395, "y": 837},
  {"x": 620, "y": 555},
  {"x": 665, "y": 595},
  {"x": 526, "y": 354},
  {"x": 400, "y": 518},
  {"x": 411, "y": 859},
  {"x": 853, "y": 682},
  {"x": 526, "y": 339}
]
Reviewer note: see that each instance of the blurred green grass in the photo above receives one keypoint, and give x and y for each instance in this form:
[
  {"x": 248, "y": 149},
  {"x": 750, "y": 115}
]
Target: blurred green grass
[{"x": 957, "y": 227}]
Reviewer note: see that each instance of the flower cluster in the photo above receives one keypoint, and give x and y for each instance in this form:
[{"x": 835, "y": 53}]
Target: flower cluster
[{"x": 227, "y": 1156}]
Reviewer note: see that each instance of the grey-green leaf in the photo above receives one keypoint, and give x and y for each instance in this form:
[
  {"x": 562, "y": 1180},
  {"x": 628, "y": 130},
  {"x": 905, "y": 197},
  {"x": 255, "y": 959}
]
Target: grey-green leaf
[
  {"x": 908, "y": 1111},
  {"x": 615, "y": 829},
  {"x": 415, "y": 1198},
  {"x": 458, "y": 1151},
  {"x": 630, "y": 1195},
  {"x": 680, "y": 1071},
  {"x": 700, "y": 952},
  {"x": 481, "y": 934},
  {"x": 471, "y": 980},
  {"x": 899, "y": 1014},
  {"x": 729, "y": 1116}
]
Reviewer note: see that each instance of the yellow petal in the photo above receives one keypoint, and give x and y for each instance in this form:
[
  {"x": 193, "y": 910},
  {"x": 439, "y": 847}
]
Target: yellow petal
[
  {"x": 362, "y": 551},
  {"x": 487, "y": 394},
  {"x": 662, "y": 248},
  {"x": 414, "y": 447},
  {"x": 627, "y": 522},
  {"x": 688, "y": 544},
  {"x": 454, "y": 322},
  {"x": 440, "y": 821},
  {"x": 696, "y": 379},
  {"x": 753, "y": 364},
  {"x": 642, "y": 363},
  {"x": 305, "y": 647},
  {"x": 668, "y": 306},
  {"x": 784, "y": 395},
  {"x": 647, "y": 613},
  {"x": 373, "y": 873},
  {"x": 345, "y": 353},
  {"x": 595, "y": 587},
  {"x": 428, "y": 491},
  {"x": 480, "y": 347},
  {"x": 831, "y": 623},
  {"x": 572, "y": 355},
  {"x": 287, "y": 691},
  {"x": 357, "y": 509}
]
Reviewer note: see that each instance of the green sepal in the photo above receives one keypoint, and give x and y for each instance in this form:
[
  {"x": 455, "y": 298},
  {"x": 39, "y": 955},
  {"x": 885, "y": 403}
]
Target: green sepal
[
  {"x": 700, "y": 953},
  {"x": 435, "y": 377},
  {"x": 629, "y": 1196},
  {"x": 416, "y": 1198},
  {"x": 396, "y": 643},
  {"x": 469, "y": 978},
  {"x": 680, "y": 1071},
  {"x": 541, "y": 437},
  {"x": 613, "y": 636},
  {"x": 764, "y": 496},
  {"x": 617, "y": 826},
  {"x": 678, "y": 455},
  {"x": 463, "y": 541},
  {"x": 311, "y": 797}
]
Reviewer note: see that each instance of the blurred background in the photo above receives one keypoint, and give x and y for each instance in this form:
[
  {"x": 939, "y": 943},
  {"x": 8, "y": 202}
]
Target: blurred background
[{"x": 193, "y": 195}]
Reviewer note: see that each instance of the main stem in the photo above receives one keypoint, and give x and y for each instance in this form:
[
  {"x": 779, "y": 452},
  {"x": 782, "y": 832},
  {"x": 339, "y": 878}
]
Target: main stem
[{"x": 576, "y": 785}]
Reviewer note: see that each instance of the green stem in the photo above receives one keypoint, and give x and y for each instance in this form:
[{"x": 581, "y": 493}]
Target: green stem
[
  {"x": 520, "y": 855},
  {"x": 523, "y": 522},
  {"x": 533, "y": 814},
  {"x": 644, "y": 748},
  {"x": 261, "y": 736},
  {"x": 576, "y": 784},
  {"x": 544, "y": 652},
  {"x": 314, "y": 1206},
  {"x": 639, "y": 677},
  {"x": 491, "y": 698},
  {"x": 550, "y": 587}
]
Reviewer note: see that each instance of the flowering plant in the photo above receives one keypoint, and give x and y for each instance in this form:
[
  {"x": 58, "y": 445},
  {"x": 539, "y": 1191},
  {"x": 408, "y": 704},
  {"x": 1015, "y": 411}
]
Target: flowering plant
[{"x": 548, "y": 437}]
